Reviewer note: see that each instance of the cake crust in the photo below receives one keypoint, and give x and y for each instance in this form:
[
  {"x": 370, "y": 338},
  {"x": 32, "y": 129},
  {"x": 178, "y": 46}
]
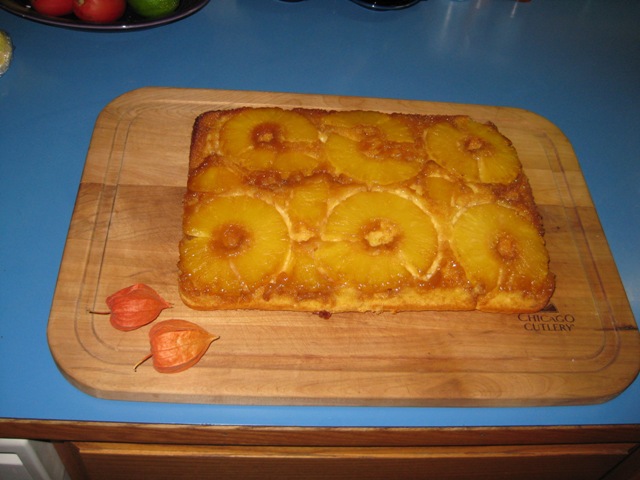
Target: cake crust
[{"x": 330, "y": 211}]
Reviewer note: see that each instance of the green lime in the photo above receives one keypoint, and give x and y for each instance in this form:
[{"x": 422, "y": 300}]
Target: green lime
[
  {"x": 6, "y": 51},
  {"x": 153, "y": 8}
]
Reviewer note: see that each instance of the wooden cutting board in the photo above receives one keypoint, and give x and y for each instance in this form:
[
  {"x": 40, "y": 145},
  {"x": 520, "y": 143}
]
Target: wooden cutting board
[{"x": 127, "y": 223}]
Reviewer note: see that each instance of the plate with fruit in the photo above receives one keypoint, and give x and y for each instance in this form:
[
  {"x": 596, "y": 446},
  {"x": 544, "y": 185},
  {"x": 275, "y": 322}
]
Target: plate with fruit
[{"x": 107, "y": 15}]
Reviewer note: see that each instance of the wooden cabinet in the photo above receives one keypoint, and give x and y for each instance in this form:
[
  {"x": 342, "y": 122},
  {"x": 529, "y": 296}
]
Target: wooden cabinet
[
  {"x": 103, "y": 461},
  {"x": 124, "y": 451}
]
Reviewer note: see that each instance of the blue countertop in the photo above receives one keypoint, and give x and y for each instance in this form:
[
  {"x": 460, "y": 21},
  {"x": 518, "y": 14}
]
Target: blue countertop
[{"x": 575, "y": 62}]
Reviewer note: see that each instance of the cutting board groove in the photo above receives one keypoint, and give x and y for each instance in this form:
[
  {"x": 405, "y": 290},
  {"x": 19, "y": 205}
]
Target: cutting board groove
[{"x": 126, "y": 226}]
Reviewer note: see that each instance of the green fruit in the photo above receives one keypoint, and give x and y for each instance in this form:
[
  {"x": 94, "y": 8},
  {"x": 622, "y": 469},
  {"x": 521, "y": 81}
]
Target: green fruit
[
  {"x": 6, "y": 51},
  {"x": 153, "y": 8}
]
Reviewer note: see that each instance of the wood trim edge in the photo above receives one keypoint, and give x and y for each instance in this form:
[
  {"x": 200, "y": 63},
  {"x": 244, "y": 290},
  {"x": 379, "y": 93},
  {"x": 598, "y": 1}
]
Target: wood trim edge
[{"x": 62, "y": 430}]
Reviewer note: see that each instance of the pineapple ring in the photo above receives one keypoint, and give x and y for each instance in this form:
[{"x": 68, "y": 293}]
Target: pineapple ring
[
  {"x": 233, "y": 243},
  {"x": 270, "y": 138},
  {"x": 498, "y": 248},
  {"x": 371, "y": 147},
  {"x": 475, "y": 151},
  {"x": 213, "y": 177},
  {"x": 205, "y": 270},
  {"x": 304, "y": 277},
  {"x": 367, "y": 123},
  {"x": 307, "y": 208},
  {"x": 376, "y": 240}
]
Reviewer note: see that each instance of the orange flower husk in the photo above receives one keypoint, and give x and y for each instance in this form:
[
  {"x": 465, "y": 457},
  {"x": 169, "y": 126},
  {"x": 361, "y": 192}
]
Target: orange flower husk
[
  {"x": 135, "y": 306},
  {"x": 177, "y": 345}
]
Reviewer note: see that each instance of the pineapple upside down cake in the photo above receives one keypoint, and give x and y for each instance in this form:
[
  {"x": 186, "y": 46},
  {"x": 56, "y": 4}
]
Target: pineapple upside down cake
[{"x": 336, "y": 211}]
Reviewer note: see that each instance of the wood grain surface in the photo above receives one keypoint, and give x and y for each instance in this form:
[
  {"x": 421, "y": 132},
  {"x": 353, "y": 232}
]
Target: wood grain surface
[{"x": 127, "y": 223}]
